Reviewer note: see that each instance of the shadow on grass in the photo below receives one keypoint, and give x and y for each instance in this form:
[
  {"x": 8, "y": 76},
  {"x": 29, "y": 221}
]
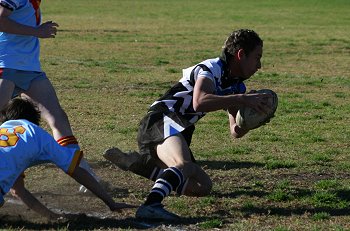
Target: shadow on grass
[
  {"x": 83, "y": 222},
  {"x": 237, "y": 193},
  {"x": 91, "y": 31},
  {"x": 113, "y": 191},
  {"x": 329, "y": 207},
  {"x": 270, "y": 210},
  {"x": 210, "y": 164},
  {"x": 344, "y": 194},
  {"x": 247, "y": 191},
  {"x": 227, "y": 165}
]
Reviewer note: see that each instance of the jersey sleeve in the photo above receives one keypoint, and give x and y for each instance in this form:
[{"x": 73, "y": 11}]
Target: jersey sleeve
[
  {"x": 205, "y": 74},
  {"x": 202, "y": 71},
  {"x": 66, "y": 158}
]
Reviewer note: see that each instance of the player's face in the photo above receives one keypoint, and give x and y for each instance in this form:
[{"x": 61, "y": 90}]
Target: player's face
[{"x": 251, "y": 63}]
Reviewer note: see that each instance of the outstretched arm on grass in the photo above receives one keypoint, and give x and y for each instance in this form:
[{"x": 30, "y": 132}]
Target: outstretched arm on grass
[
  {"x": 19, "y": 191},
  {"x": 84, "y": 178}
]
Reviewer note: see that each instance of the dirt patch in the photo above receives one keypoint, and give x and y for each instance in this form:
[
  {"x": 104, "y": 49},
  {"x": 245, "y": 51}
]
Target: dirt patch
[{"x": 60, "y": 193}]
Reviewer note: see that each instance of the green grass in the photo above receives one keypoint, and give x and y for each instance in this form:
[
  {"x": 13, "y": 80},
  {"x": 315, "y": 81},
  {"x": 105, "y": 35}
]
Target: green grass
[{"x": 112, "y": 59}]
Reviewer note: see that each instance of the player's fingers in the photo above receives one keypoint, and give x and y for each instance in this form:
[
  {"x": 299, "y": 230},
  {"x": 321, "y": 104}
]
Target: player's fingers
[
  {"x": 50, "y": 24},
  {"x": 54, "y": 24},
  {"x": 62, "y": 219}
]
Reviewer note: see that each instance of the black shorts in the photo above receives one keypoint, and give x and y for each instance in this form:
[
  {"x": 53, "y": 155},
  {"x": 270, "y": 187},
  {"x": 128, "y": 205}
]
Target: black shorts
[{"x": 157, "y": 126}]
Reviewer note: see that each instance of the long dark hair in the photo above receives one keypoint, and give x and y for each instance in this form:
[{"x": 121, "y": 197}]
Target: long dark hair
[{"x": 19, "y": 108}]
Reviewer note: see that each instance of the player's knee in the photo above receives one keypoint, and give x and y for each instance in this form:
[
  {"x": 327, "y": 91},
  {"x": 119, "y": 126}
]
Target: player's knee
[
  {"x": 188, "y": 169},
  {"x": 202, "y": 190},
  {"x": 205, "y": 188}
]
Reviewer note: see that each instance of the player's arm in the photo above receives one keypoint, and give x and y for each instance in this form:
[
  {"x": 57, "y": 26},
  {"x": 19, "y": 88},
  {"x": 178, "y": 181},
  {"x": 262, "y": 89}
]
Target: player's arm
[
  {"x": 235, "y": 130},
  {"x": 45, "y": 30},
  {"x": 2, "y": 201},
  {"x": 204, "y": 99},
  {"x": 19, "y": 191},
  {"x": 84, "y": 177}
]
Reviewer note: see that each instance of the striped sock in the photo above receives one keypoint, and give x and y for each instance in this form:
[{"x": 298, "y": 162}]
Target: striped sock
[{"x": 170, "y": 179}]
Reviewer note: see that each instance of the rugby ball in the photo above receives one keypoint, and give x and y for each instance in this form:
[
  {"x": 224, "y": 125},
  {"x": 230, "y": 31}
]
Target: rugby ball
[{"x": 247, "y": 118}]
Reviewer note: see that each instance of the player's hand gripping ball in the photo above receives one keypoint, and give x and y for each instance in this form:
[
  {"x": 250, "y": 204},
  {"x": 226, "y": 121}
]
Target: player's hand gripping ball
[{"x": 247, "y": 118}]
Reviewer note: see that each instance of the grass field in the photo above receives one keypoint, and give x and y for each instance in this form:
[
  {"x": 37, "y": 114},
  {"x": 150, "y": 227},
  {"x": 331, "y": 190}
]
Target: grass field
[{"x": 111, "y": 59}]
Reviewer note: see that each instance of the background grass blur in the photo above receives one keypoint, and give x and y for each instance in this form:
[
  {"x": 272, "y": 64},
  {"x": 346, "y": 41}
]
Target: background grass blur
[{"x": 111, "y": 59}]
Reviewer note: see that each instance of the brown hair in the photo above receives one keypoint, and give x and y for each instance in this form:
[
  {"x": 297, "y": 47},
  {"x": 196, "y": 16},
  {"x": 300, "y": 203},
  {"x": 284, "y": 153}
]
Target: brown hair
[
  {"x": 244, "y": 39},
  {"x": 19, "y": 108}
]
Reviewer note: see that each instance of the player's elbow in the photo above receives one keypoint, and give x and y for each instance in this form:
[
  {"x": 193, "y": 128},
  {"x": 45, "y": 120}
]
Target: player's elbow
[
  {"x": 200, "y": 105},
  {"x": 17, "y": 192},
  {"x": 197, "y": 106}
]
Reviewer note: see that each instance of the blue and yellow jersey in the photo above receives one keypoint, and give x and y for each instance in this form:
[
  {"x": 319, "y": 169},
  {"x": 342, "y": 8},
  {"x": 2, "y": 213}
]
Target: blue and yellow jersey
[{"x": 24, "y": 144}]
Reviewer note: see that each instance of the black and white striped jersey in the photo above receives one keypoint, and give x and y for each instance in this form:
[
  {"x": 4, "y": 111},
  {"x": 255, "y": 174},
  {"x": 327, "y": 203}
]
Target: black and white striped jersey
[{"x": 179, "y": 98}]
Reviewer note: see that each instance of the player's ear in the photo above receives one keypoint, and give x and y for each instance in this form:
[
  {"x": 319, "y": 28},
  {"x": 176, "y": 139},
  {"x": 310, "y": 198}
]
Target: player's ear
[{"x": 240, "y": 54}]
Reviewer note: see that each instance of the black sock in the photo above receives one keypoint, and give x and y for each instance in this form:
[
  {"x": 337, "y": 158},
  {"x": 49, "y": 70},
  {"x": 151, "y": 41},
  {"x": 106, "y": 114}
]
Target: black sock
[{"x": 146, "y": 166}]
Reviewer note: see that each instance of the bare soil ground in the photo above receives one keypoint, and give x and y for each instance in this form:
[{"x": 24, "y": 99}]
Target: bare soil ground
[{"x": 60, "y": 193}]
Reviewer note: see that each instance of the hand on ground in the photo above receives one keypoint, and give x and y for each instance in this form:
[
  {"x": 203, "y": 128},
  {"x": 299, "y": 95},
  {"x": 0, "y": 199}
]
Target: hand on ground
[{"x": 117, "y": 207}]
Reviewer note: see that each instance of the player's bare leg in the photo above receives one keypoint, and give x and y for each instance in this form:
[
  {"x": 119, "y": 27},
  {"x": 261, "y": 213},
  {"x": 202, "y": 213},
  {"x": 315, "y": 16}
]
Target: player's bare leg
[
  {"x": 175, "y": 154},
  {"x": 199, "y": 185},
  {"x": 121, "y": 159},
  {"x": 6, "y": 90},
  {"x": 84, "y": 178},
  {"x": 43, "y": 94},
  {"x": 19, "y": 191}
]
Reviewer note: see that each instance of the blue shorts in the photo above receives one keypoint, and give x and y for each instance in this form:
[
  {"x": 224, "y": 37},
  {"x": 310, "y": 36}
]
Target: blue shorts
[{"x": 21, "y": 79}]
